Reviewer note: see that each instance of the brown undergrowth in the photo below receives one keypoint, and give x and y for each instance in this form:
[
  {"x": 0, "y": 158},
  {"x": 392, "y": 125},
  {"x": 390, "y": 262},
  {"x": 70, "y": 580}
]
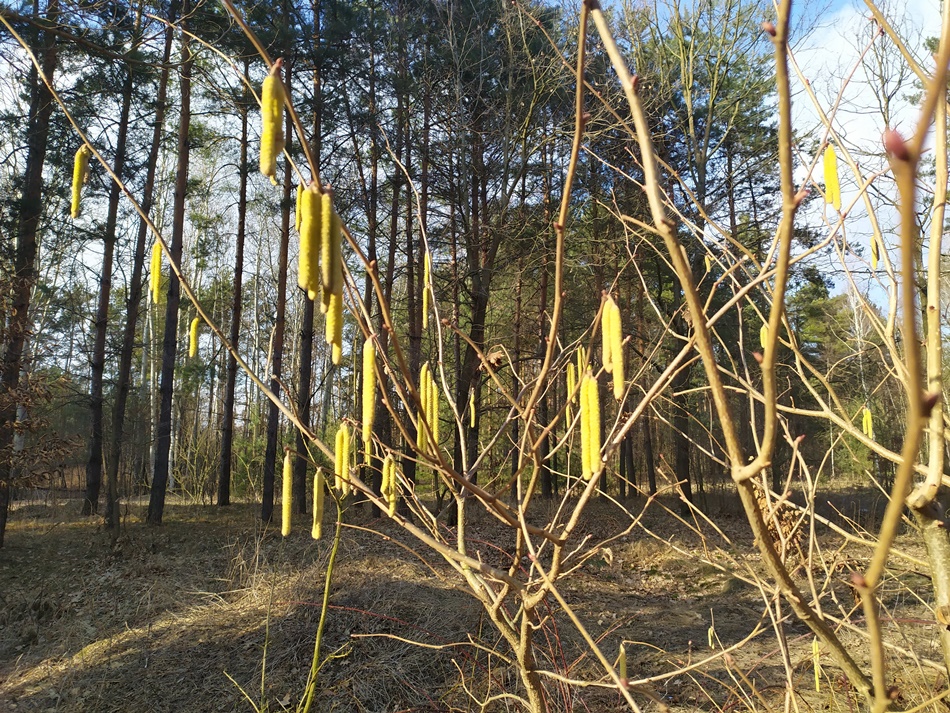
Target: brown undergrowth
[{"x": 168, "y": 617}]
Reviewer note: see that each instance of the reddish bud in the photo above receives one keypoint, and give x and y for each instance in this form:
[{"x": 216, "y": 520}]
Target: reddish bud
[
  {"x": 757, "y": 356},
  {"x": 768, "y": 28},
  {"x": 895, "y": 145}
]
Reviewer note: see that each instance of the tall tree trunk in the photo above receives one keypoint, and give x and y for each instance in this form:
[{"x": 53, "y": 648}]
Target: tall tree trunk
[
  {"x": 31, "y": 210},
  {"x": 305, "y": 368},
  {"x": 163, "y": 439},
  {"x": 94, "y": 465},
  {"x": 273, "y": 413},
  {"x": 305, "y": 374},
  {"x": 234, "y": 334}
]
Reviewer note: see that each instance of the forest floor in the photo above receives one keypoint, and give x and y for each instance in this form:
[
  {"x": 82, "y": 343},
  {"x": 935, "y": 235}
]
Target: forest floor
[{"x": 185, "y": 616}]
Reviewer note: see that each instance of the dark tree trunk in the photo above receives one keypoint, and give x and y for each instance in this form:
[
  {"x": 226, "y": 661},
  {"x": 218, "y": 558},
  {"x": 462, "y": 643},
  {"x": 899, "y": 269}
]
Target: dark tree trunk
[
  {"x": 31, "y": 210},
  {"x": 234, "y": 335},
  {"x": 163, "y": 436},
  {"x": 303, "y": 404},
  {"x": 124, "y": 377},
  {"x": 94, "y": 465}
]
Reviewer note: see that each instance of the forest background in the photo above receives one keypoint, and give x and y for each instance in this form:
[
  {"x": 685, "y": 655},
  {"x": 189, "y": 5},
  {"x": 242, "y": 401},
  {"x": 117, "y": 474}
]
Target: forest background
[{"x": 495, "y": 209}]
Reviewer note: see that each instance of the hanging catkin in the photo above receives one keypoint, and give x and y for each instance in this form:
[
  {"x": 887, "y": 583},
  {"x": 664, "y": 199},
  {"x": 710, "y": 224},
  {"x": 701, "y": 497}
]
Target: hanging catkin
[
  {"x": 389, "y": 488},
  {"x": 342, "y": 460},
  {"x": 433, "y": 411},
  {"x": 606, "y": 328},
  {"x": 272, "y": 122},
  {"x": 832, "y": 187},
  {"x": 80, "y": 176},
  {"x": 875, "y": 251},
  {"x": 369, "y": 393},
  {"x": 334, "y": 328},
  {"x": 193, "y": 338},
  {"x": 421, "y": 437},
  {"x": 308, "y": 269},
  {"x": 287, "y": 488},
  {"x": 590, "y": 426},
  {"x": 155, "y": 273},
  {"x": 615, "y": 338}
]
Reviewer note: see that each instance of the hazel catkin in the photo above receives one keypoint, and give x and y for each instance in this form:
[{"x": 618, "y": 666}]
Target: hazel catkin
[
  {"x": 615, "y": 337},
  {"x": 287, "y": 494},
  {"x": 308, "y": 266},
  {"x": 80, "y": 177},
  {"x": 390, "y": 489},
  {"x": 832, "y": 187},
  {"x": 272, "y": 122},
  {"x": 155, "y": 273},
  {"x": 193, "y": 338},
  {"x": 369, "y": 392}
]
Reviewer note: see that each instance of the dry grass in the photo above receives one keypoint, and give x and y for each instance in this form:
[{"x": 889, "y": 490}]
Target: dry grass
[{"x": 159, "y": 622}]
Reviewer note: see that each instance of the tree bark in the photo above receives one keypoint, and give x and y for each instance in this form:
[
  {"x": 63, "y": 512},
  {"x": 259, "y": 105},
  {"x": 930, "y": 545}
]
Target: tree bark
[
  {"x": 234, "y": 334},
  {"x": 94, "y": 465},
  {"x": 156, "y": 503},
  {"x": 24, "y": 277}
]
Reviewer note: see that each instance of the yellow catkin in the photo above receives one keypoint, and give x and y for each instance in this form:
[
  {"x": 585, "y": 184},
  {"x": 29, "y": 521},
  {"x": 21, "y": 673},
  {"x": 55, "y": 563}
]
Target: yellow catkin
[
  {"x": 80, "y": 176},
  {"x": 155, "y": 275},
  {"x": 764, "y": 335},
  {"x": 875, "y": 252},
  {"x": 585, "y": 429},
  {"x": 421, "y": 436},
  {"x": 708, "y": 263},
  {"x": 329, "y": 256},
  {"x": 193, "y": 338},
  {"x": 593, "y": 406},
  {"x": 471, "y": 409},
  {"x": 832, "y": 187},
  {"x": 336, "y": 247},
  {"x": 338, "y": 461},
  {"x": 390, "y": 488},
  {"x": 606, "y": 328},
  {"x": 816, "y": 664},
  {"x": 298, "y": 217},
  {"x": 616, "y": 347},
  {"x": 369, "y": 392},
  {"x": 581, "y": 360},
  {"x": 272, "y": 122},
  {"x": 867, "y": 423},
  {"x": 308, "y": 267},
  {"x": 426, "y": 283},
  {"x": 334, "y": 327},
  {"x": 433, "y": 411},
  {"x": 316, "y": 532},
  {"x": 341, "y": 467},
  {"x": 287, "y": 487}
]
